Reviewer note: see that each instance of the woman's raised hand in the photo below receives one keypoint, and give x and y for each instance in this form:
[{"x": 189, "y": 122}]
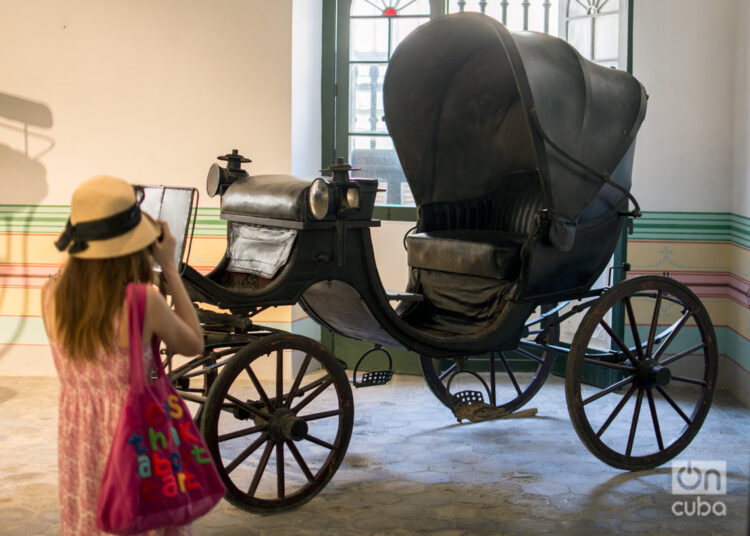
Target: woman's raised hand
[{"x": 163, "y": 248}]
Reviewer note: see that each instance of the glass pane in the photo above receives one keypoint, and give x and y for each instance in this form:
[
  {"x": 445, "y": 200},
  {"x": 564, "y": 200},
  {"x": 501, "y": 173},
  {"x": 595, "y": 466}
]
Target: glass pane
[
  {"x": 366, "y": 97},
  {"x": 606, "y": 37},
  {"x": 368, "y": 40},
  {"x": 578, "y": 8},
  {"x": 363, "y": 7},
  {"x": 403, "y": 27},
  {"x": 410, "y": 7},
  {"x": 579, "y": 35},
  {"x": 377, "y": 159}
]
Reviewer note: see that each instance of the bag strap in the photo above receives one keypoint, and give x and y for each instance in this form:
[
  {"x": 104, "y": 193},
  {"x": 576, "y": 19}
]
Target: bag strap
[{"x": 136, "y": 304}]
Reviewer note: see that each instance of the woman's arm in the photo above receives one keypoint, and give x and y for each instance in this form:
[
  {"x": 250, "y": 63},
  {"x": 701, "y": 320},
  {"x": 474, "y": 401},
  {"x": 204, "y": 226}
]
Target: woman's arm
[{"x": 180, "y": 328}]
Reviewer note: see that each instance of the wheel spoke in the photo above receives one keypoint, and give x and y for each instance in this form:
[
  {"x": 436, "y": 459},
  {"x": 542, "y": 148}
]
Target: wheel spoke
[
  {"x": 247, "y": 407},
  {"x": 245, "y": 453},
  {"x": 300, "y": 460},
  {"x": 280, "y": 469},
  {"x": 510, "y": 373},
  {"x": 606, "y": 364},
  {"x": 634, "y": 423},
  {"x": 493, "y": 379},
  {"x": 616, "y": 411},
  {"x": 634, "y": 328},
  {"x": 297, "y": 380},
  {"x": 260, "y": 469},
  {"x": 654, "y": 324},
  {"x": 447, "y": 372},
  {"x": 673, "y": 358},
  {"x": 654, "y": 419},
  {"x": 242, "y": 433},
  {"x": 530, "y": 355},
  {"x": 309, "y": 398},
  {"x": 259, "y": 388},
  {"x": 321, "y": 415},
  {"x": 608, "y": 390},
  {"x": 692, "y": 381},
  {"x": 618, "y": 341},
  {"x": 279, "y": 377},
  {"x": 313, "y": 439},
  {"x": 674, "y": 405},
  {"x": 679, "y": 324}
]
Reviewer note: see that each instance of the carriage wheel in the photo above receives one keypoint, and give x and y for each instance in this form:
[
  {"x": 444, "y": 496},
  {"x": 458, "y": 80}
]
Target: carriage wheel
[
  {"x": 507, "y": 379},
  {"x": 278, "y": 422},
  {"x": 667, "y": 364}
]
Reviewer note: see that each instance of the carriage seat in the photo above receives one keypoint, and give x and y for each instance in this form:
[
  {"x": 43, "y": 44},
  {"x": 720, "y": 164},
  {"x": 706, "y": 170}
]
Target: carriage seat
[
  {"x": 280, "y": 197},
  {"x": 484, "y": 253}
]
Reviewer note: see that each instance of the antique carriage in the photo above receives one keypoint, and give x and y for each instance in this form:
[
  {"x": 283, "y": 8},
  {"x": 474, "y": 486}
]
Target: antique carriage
[{"x": 519, "y": 155}]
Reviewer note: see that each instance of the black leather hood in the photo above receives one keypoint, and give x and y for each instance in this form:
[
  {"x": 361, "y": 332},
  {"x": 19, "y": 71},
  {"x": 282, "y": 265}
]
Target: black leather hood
[{"x": 467, "y": 101}]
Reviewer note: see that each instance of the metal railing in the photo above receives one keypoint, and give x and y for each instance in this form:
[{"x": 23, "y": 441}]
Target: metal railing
[{"x": 526, "y": 6}]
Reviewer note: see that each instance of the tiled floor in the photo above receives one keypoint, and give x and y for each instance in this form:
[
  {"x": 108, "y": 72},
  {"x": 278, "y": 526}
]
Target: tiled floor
[{"x": 411, "y": 468}]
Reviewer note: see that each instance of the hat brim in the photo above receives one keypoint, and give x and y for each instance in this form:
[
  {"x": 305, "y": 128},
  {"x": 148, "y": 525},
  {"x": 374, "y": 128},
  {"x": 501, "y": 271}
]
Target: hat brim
[{"x": 143, "y": 235}]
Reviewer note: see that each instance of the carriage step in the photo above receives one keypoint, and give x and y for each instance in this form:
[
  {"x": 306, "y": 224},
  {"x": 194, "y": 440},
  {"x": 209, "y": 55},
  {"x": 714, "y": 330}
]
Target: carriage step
[
  {"x": 376, "y": 377},
  {"x": 468, "y": 398}
]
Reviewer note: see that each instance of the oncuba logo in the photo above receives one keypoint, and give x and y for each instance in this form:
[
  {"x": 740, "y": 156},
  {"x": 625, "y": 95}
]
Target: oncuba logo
[{"x": 699, "y": 478}]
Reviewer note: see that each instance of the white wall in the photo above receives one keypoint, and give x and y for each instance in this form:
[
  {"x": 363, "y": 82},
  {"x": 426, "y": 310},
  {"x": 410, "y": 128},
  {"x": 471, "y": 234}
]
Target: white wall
[
  {"x": 741, "y": 186},
  {"x": 151, "y": 91},
  {"x": 683, "y": 53},
  {"x": 307, "y": 20}
]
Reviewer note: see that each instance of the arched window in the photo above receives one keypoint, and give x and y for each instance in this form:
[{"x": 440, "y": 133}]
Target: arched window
[{"x": 368, "y": 31}]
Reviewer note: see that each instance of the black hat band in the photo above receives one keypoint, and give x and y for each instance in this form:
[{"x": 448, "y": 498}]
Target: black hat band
[{"x": 103, "y": 229}]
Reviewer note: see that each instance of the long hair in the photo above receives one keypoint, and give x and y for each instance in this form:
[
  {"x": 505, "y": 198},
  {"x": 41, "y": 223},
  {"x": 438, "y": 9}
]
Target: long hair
[{"x": 88, "y": 295}]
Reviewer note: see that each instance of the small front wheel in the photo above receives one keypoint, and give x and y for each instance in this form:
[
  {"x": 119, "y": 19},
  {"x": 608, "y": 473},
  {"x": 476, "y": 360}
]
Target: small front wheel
[
  {"x": 278, "y": 422},
  {"x": 666, "y": 361}
]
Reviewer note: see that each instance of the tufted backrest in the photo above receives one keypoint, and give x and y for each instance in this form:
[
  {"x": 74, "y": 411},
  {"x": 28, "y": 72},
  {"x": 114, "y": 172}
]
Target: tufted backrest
[{"x": 509, "y": 209}]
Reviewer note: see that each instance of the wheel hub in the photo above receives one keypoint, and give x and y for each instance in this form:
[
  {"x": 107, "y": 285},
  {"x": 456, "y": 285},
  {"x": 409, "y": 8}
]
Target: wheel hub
[
  {"x": 650, "y": 374},
  {"x": 284, "y": 425}
]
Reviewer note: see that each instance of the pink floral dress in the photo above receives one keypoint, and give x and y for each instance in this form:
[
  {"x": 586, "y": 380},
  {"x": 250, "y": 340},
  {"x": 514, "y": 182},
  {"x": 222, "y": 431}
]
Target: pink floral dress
[{"x": 91, "y": 399}]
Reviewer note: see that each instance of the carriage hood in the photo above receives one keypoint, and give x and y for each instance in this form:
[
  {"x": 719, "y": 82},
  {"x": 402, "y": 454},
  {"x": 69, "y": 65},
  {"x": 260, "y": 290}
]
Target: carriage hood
[{"x": 468, "y": 102}]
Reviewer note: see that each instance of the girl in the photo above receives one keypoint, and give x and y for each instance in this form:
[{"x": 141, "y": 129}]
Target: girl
[{"x": 110, "y": 244}]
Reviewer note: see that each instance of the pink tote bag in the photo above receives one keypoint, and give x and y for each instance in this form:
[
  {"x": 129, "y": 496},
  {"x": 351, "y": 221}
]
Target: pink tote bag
[{"x": 159, "y": 472}]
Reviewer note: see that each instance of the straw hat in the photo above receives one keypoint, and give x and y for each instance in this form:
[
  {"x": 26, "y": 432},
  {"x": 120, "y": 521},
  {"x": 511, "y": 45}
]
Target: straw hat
[{"x": 106, "y": 221}]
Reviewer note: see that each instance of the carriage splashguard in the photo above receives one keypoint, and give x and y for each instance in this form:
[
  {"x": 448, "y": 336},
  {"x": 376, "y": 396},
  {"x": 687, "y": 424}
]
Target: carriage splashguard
[{"x": 519, "y": 155}]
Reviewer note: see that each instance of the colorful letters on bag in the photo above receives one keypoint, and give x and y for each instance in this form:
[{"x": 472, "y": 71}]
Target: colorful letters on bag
[{"x": 165, "y": 457}]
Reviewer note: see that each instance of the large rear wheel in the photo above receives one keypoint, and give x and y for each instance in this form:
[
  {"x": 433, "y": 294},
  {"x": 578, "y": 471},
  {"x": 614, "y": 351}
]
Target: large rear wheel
[{"x": 666, "y": 359}]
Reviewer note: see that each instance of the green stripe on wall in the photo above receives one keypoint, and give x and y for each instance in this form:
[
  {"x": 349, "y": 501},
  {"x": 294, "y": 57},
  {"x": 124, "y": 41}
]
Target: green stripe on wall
[
  {"x": 50, "y": 219},
  {"x": 693, "y": 226},
  {"x": 658, "y": 226}
]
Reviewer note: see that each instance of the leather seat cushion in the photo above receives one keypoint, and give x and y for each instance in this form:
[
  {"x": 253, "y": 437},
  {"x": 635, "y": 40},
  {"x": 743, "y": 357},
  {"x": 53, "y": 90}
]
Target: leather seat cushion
[
  {"x": 279, "y": 197},
  {"x": 483, "y": 253}
]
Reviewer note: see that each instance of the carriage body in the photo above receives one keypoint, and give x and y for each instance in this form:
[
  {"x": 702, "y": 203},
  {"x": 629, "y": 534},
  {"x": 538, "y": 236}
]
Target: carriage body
[{"x": 519, "y": 155}]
